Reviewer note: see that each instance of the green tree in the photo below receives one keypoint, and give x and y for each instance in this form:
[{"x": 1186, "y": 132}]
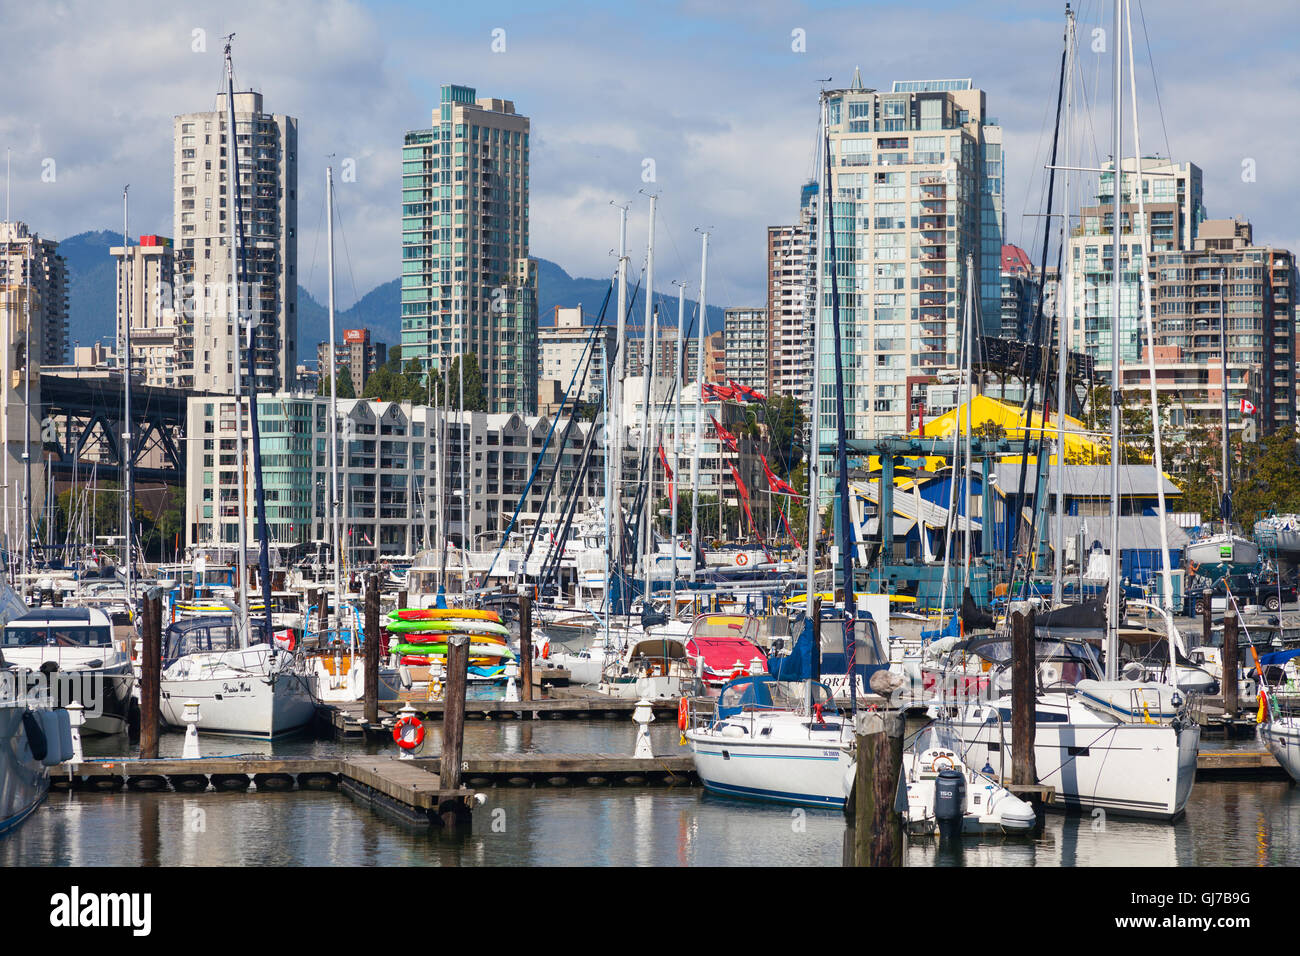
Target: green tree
[
  {"x": 342, "y": 385},
  {"x": 785, "y": 420},
  {"x": 475, "y": 393}
]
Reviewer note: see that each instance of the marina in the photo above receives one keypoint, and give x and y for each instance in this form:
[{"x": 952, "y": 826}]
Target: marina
[{"x": 873, "y": 486}]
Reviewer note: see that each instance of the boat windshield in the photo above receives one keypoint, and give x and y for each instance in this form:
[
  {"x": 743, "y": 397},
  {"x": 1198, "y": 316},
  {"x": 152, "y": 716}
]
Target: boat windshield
[
  {"x": 763, "y": 693},
  {"x": 58, "y": 636}
]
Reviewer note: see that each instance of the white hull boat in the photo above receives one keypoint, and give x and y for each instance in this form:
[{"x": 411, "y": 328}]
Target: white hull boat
[{"x": 241, "y": 693}]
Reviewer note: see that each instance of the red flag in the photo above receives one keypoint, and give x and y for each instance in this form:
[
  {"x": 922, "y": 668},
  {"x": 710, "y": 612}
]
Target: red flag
[
  {"x": 720, "y": 392},
  {"x": 744, "y": 497},
  {"x": 775, "y": 483},
  {"x": 745, "y": 393},
  {"x": 727, "y": 437},
  {"x": 667, "y": 471}
]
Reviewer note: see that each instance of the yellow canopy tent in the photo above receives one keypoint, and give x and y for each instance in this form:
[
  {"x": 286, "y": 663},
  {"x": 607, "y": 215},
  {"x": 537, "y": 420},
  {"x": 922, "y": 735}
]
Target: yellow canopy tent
[{"x": 1010, "y": 424}]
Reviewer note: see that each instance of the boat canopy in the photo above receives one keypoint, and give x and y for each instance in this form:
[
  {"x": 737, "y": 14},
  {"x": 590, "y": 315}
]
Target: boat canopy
[
  {"x": 869, "y": 656},
  {"x": 721, "y": 653},
  {"x": 214, "y": 634},
  {"x": 764, "y": 692}
]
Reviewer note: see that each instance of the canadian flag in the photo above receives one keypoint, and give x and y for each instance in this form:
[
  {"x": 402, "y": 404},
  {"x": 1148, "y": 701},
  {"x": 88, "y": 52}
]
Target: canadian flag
[{"x": 1247, "y": 408}]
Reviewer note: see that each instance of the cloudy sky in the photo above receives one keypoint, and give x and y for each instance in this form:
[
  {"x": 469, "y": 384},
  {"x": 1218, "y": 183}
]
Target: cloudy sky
[{"x": 714, "y": 92}]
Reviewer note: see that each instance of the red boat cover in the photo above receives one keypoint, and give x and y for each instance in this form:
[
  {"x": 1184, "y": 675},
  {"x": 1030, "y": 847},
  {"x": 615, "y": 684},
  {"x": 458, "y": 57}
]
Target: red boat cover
[{"x": 721, "y": 653}]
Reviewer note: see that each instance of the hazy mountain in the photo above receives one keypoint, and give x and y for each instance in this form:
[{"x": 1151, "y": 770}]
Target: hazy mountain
[{"x": 92, "y": 288}]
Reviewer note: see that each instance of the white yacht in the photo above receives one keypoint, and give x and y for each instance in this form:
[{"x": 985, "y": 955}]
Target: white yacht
[
  {"x": 74, "y": 646},
  {"x": 243, "y": 690},
  {"x": 764, "y": 742}
]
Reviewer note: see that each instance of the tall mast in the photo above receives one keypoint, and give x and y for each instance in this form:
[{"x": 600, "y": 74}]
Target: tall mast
[
  {"x": 648, "y": 367},
  {"x": 1226, "y": 508},
  {"x": 652, "y": 441},
  {"x": 614, "y": 421},
  {"x": 1117, "y": 155},
  {"x": 677, "y": 440},
  {"x": 127, "y": 456},
  {"x": 332, "y": 506},
  {"x": 967, "y": 377},
  {"x": 27, "y": 410},
  {"x": 1166, "y": 579},
  {"x": 1063, "y": 312},
  {"x": 699, "y": 404},
  {"x": 814, "y": 430}
]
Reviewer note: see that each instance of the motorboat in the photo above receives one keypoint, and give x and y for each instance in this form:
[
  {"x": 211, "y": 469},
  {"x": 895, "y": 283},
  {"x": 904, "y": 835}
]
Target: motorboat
[
  {"x": 243, "y": 689},
  {"x": 987, "y": 808},
  {"x": 74, "y": 647}
]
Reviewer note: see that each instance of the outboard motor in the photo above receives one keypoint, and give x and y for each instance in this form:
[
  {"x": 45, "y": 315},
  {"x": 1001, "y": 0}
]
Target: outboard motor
[{"x": 950, "y": 803}]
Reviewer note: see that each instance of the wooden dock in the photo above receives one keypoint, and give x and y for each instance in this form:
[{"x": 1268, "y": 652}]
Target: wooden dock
[
  {"x": 409, "y": 790},
  {"x": 1238, "y": 764},
  {"x": 348, "y": 719}
]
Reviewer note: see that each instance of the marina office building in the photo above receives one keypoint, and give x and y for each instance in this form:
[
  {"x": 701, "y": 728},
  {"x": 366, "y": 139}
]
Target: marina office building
[{"x": 388, "y": 473}]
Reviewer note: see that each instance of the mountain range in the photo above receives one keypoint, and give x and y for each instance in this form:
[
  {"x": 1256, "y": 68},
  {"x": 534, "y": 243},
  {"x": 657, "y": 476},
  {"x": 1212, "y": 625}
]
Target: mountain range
[{"x": 92, "y": 290}]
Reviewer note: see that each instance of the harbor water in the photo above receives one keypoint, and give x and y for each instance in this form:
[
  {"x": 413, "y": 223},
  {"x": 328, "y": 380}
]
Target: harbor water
[{"x": 1227, "y": 822}]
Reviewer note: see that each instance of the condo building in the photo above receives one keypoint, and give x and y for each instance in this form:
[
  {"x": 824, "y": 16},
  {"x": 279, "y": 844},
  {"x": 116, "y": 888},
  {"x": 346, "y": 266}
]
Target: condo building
[
  {"x": 467, "y": 282},
  {"x": 145, "y": 304},
  {"x": 266, "y": 149}
]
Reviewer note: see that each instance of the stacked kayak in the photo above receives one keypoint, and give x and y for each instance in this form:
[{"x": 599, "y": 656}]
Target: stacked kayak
[{"x": 423, "y": 634}]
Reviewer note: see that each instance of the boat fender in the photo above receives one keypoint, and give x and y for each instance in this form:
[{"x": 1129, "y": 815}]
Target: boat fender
[
  {"x": 408, "y": 732},
  {"x": 64, "y": 721},
  {"x": 36, "y": 741},
  {"x": 53, "y": 744}
]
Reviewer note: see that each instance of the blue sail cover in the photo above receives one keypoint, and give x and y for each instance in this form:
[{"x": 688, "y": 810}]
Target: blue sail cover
[
  {"x": 951, "y": 629},
  {"x": 1278, "y": 658},
  {"x": 800, "y": 665}
]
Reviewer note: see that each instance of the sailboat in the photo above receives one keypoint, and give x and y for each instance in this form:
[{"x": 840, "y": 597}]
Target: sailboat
[
  {"x": 243, "y": 687},
  {"x": 1125, "y": 746},
  {"x": 783, "y": 737}
]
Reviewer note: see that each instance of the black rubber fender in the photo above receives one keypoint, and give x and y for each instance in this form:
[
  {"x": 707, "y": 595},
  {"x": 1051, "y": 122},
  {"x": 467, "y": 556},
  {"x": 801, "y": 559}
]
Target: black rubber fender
[{"x": 35, "y": 735}]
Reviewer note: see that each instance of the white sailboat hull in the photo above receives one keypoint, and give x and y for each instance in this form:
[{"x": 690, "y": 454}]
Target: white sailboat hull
[
  {"x": 253, "y": 705},
  {"x": 1143, "y": 770},
  {"x": 809, "y": 773},
  {"x": 1282, "y": 738}
]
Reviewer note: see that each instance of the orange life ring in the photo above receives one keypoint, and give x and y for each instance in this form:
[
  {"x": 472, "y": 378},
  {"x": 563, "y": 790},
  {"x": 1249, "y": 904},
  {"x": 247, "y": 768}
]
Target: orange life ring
[
  {"x": 742, "y": 559},
  {"x": 399, "y": 732},
  {"x": 546, "y": 650},
  {"x": 682, "y": 714}
]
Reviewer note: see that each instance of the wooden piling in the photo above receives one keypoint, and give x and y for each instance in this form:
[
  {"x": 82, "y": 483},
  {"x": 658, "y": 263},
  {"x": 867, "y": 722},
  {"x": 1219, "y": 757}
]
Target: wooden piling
[
  {"x": 1228, "y": 684},
  {"x": 1207, "y": 615},
  {"x": 1023, "y": 694},
  {"x": 525, "y": 646},
  {"x": 373, "y": 640},
  {"x": 401, "y": 598},
  {"x": 877, "y": 824},
  {"x": 150, "y": 673},
  {"x": 453, "y": 714}
]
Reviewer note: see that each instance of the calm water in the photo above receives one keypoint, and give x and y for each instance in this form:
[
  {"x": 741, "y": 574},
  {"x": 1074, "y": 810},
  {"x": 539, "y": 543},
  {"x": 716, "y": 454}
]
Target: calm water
[{"x": 1232, "y": 823}]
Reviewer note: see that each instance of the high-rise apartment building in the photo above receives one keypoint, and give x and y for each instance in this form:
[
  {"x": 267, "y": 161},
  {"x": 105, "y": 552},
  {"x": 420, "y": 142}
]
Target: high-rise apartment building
[
  {"x": 1191, "y": 290},
  {"x": 791, "y": 262},
  {"x": 357, "y": 355},
  {"x": 467, "y": 282},
  {"x": 562, "y": 352},
  {"x": 145, "y": 283},
  {"x": 916, "y": 192},
  {"x": 1019, "y": 295},
  {"x": 746, "y": 342},
  {"x": 48, "y": 277},
  {"x": 267, "y": 151},
  {"x": 1174, "y": 208}
]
